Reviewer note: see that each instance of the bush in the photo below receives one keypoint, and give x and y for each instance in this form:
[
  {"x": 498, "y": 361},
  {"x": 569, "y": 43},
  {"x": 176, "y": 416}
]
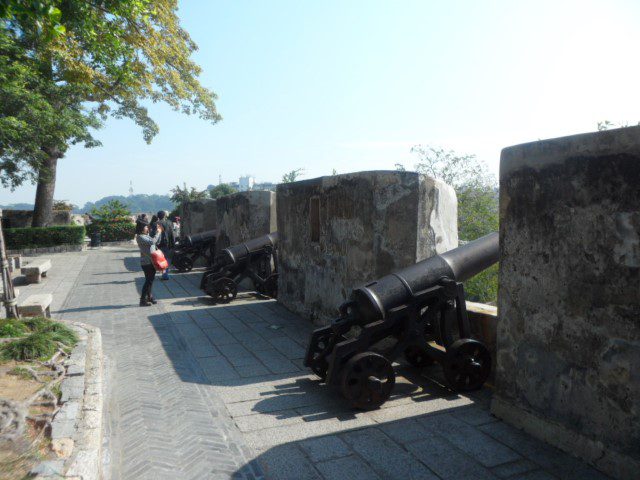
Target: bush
[
  {"x": 113, "y": 230},
  {"x": 34, "y": 237},
  {"x": 11, "y": 328}
]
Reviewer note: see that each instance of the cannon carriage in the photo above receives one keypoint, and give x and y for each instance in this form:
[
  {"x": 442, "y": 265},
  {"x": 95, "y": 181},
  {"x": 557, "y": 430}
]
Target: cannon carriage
[
  {"x": 418, "y": 312},
  {"x": 255, "y": 260},
  {"x": 192, "y": 247}
]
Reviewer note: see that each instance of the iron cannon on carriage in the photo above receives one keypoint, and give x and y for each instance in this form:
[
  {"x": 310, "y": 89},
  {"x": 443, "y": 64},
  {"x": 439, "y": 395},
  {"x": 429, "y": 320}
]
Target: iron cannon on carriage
[
  {"x": 192, "y": 247},
  {"x": 255, "y": 260},
  {"x": 418, "y": 312}
]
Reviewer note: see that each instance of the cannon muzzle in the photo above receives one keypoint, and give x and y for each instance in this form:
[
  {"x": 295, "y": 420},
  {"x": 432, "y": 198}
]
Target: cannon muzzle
[
  {"x": 199, "y": 238},
  {"x": 373, "y": 300},
  {"x": 237, "y": 253}
]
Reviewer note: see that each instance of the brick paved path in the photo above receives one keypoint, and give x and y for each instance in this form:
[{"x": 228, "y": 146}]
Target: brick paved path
[{"x": 202, "y": 391}]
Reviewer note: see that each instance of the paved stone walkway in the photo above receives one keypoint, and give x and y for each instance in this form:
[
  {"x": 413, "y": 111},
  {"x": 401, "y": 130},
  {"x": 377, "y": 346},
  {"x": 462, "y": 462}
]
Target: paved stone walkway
[{"x": 202, "y": 391}]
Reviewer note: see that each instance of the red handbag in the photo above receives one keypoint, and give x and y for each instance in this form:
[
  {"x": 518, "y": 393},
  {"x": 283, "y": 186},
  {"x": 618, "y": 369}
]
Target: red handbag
[{"x": 159, "y": 261}]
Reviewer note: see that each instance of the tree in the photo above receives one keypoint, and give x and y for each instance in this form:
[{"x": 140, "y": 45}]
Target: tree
[
  {"x": 180, "y": 196},
  {"x": 221, "y": 190},
  {"x": 63, "y": 205},
  {"x": 478, "y": 215},
  {"x": 66, "y": 65},
  {"x": 292, "y": 176},
  {"x": 114, "y": 210}
]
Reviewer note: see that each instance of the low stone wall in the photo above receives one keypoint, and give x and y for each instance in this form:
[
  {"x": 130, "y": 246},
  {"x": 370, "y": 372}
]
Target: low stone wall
[
  {"x": 338, "y": 232},
  {"x": 245, "y": 215},
  {"x": 483, "y": 320},
  {"x": 23, "y": 218},
  {"x": 76, "y": 430},
  {"x": 30, "y": 252},
  {"x": 199, "y": 216},
  {"x": 569, "y": 295}
]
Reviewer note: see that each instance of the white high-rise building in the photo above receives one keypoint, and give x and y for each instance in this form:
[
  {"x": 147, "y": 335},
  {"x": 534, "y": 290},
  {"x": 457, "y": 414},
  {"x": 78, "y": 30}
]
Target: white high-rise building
[{"x": 246, "y": 183}]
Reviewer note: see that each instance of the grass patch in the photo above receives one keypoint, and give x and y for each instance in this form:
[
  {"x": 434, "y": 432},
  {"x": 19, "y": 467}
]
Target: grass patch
[
  {"x": 21, "y": 372},
  {"x": 12, "y": 327},
  {"x": 41, "y": 343}
]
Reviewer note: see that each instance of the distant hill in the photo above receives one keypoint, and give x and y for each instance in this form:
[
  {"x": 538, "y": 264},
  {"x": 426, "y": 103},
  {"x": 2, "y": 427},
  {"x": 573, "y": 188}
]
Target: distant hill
[
  {"x": 17, "y": 206},
  {"x": 136, "y": 203}
]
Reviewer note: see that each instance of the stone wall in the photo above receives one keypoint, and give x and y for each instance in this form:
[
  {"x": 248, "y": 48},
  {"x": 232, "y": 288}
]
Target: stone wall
[
  {"x": 22, "y": 218},
  {"x": 245, "y": 215},
  {"x": 568, "y": 366},
  {"x": 198, "y": 216},
  {"x": 338, "y": 232}
]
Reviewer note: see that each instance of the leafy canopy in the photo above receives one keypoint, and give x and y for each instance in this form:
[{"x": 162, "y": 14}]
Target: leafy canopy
[
  {"x": 221, "y": 190},
  {"x": 179, "y": 196},
  {"x": 478, "y": 214},
  {"x": 113, "y": 210},
  {"x": 293, "y": 175},
  {"x": 66, "y": 65}
]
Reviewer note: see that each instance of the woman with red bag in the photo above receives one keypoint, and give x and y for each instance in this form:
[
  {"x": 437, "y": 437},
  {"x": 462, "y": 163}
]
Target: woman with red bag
[{"x": 147, "y": 245}]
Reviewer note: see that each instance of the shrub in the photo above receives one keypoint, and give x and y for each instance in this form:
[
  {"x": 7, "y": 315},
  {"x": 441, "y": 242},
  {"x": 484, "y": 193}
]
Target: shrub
[
  {"x": 113, "y": 230},
  {"x": 34, "y": 237}
]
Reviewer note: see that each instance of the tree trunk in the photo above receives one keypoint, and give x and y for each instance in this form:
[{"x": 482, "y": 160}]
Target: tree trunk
[{"x": 43, "y": 210}]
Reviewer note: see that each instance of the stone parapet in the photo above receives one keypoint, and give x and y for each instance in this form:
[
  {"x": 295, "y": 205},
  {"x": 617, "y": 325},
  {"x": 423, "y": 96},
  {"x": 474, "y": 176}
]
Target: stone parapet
[
  {"x": 341, "y": 231},
  {"x": 568, "y": 342}
]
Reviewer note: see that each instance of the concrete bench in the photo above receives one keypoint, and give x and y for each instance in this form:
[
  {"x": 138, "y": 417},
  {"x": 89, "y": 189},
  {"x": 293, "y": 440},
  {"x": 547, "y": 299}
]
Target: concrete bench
[
  {"x": 35, "y": 270},
  {"x": 38, "y": 305}
]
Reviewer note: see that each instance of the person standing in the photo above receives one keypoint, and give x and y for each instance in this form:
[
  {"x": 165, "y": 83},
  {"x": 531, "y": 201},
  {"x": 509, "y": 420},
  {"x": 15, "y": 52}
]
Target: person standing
[
  {"x": 167, "y": 240},
  {"x": 147, "y": 244}
]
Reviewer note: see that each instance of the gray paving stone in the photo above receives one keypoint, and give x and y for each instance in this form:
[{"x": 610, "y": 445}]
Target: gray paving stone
[
  {"x": 474, "y": 415},
  {"x": 537, "y": 475},
  {"x": 385, "y": 456},
  {"x": 248, "y": 371},
  {"x": 549, "y": 458},
  {"x": 447, "y": 461},
  {"x": 286, "y": 462},
  {"x": 346, "y": 468},
  {"x": 481, "y": 447},
  {"x": 404, "y": 431},
  {"x": 518, "y": 467},
  {"x": 325, "y": 448}
]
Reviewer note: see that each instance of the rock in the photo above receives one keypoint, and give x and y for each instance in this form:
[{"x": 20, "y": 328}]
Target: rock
[{"x": 62, "y": 447}]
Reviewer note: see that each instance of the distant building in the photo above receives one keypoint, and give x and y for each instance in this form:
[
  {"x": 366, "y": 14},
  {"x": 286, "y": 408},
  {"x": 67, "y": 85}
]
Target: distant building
[{"x": 246, "y": 183}]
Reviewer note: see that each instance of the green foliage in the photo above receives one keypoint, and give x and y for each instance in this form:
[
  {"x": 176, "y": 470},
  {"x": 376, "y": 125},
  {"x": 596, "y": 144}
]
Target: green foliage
[
  {"x": 113, "y": 230},
  {"x": 63, "y": 205},
  {"x": 478, "y": 214},
  {"x": 179, "y": 196},
  {"x": 42, "y": 342},
  {"x": 34, "y": 237},
  {"x": 66, "y": 66},
  {"x": 112, "y": 210},
  {"x": 11, "y": 327},
  {"x": 221, "y": 190},
  {"x": 293, "y": 175}
]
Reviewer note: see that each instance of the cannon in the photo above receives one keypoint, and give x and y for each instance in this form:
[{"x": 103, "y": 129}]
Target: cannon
[
  {"x": 255, "y": 259},
  {"x": 191, "y": 247},
  {"x": 418, "y": 312}
]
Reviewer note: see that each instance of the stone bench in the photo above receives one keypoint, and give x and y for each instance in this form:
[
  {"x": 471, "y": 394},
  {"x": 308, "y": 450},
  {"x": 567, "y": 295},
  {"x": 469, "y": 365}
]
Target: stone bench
[
  {"x": 35, "y": 270},
  {"x": 38, "y": 305}
]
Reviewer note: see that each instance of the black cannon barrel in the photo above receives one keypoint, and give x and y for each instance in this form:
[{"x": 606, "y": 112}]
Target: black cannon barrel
[
  {"x": 199, "y": 238},
  {"x": 236, "y": 253},
  {"x": 375, "y": 299}
]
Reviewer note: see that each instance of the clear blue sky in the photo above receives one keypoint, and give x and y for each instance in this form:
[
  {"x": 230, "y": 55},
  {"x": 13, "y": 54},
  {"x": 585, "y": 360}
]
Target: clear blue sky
[{"x": 352, "y": 85}]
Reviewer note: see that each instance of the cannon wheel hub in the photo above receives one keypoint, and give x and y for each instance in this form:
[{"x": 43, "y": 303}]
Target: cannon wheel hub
[
  {"x": 417, "y": 356},
  {"x": 467, "y": 365},
  {"x": 223, "y": 290},
  {"x": 367, "y": 380}
]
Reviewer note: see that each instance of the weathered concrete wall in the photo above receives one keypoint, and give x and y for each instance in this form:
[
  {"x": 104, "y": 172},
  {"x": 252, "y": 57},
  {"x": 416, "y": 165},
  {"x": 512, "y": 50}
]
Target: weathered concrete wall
[
  {"x": 198, "y": 216},
  {"x": 365, "y": 225},
  {"x": 568, "y": 366},
  {"x": 245, "y": 215},
  {"x": 22, "y": 218}
]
